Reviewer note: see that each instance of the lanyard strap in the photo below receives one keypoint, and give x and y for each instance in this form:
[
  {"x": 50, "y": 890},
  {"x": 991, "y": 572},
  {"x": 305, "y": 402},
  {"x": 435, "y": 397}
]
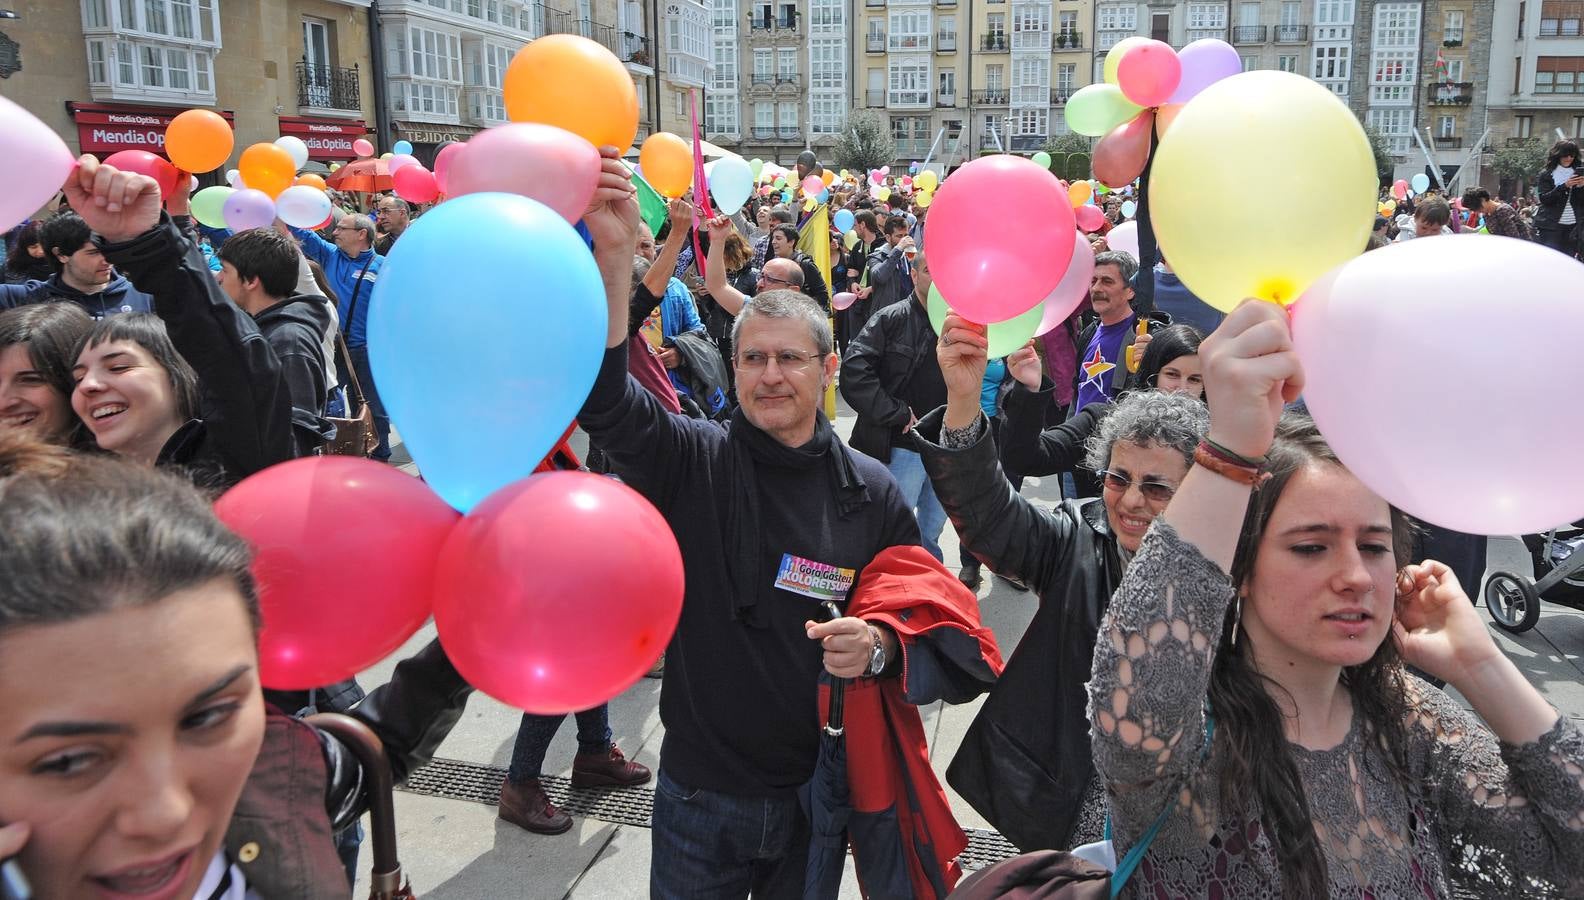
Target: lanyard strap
[{"x": 1135, "y": 854}]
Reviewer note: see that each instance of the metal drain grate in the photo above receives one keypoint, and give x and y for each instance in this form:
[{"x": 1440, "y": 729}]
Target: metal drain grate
[{"x": 457, "y": 780}]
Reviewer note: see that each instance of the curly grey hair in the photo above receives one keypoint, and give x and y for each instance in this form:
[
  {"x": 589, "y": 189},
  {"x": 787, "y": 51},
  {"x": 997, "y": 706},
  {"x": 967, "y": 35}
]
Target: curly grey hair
[
  {"x": 783, "y": 304},
  {"x": 1177, "y": 421}
]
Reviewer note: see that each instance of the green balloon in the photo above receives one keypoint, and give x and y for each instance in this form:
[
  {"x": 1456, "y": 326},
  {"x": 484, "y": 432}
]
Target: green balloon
[
  {"x": 208, "y": 205},
  {"x": 1042, "y": 159},
  {"x": 1098, "y": 108},
  {"x": 780, "y": 182},
  {"x": 756, "y": 166},
  {"x": 1005, "y": 337}
]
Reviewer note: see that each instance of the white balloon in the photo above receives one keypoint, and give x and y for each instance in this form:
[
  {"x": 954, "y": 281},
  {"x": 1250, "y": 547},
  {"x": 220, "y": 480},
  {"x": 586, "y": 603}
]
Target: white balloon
[
  {"x": 302, "y": 206},
  {"x": 295, "y": 147},
  {"x": 1124, "y": 237},
  {"x": 234, "y": 178}
]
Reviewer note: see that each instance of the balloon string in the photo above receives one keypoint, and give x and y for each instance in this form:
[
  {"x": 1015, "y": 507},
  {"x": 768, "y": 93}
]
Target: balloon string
[
  {"x": 1144, "y": 289},
  {"x": 700, "y": 187}
]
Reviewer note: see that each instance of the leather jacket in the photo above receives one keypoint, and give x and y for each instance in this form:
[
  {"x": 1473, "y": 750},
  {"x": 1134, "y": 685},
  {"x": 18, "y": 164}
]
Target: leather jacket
[
  {"x": 880, "y": 362},
  {"x": 1025, "y": 763}
]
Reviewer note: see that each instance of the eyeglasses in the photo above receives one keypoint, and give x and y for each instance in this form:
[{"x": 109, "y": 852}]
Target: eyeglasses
[
  {"x": 1154, "y": 491},
  {"x": 346, "y": 228},
  {"x": 771, "y": 279},
  {"x": 787, "y": 360}
]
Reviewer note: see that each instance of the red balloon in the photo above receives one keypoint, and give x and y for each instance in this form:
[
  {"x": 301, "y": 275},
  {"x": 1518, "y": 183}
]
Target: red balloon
[
  {"x": 145, "y": 163},
  {"x": 1090, "y": 219},
  {"x": 346, "y": 551},
  {"x": 415, "y": 184},
  {"x": 1119, "y": 157},
  {"x": 558, "y": 592}
]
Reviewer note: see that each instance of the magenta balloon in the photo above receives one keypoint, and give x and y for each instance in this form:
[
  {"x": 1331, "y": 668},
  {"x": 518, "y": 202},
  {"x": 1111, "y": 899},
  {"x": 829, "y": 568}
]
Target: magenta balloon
[
  {"x": 990, "y": 272},
  {"x": 844, "y": 300},
  {"x": 1204, "y": 62},
  {"x": 1074, "y": 287},
  {"x": 1149, "y": 73},
  {"x": 37, "y": 161},
  {"x": 1391, "y": 417},
  {"x": 541, "y": 162},
  {"x": 1090, "y": 218},
  {"x": 442, "y": 164},
  {"x": 1124, "y": 237},
  {"x": 248, "y": 208}
]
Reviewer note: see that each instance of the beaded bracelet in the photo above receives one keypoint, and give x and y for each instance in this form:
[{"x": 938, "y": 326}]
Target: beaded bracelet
[
  {"x": 1221, "y": 450},
  {"x": 1208, "y": 458}
]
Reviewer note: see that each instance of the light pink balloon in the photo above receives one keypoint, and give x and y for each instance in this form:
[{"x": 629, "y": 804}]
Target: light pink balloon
[
  {"x": 36, "y": 163},
  {"x": 362, "y": 148},
  {"x": 844, "y": 300},
  {"x": 1090, "y": 218},
  {"x": 812, "y": 185},
  {"x": 1395, "y": 378},
  {"x": 990, "y": 272},
  {"x": 442, "y": 164},
  {"x": 1204, "y": 62},
  {"x": 400, "y": 161},
  {"x": 1124, "y": 237},
  {"x": 1149, "y": 73},
  {"x": 1074, "y": 287},
  {"x": 541, "y": 162}
]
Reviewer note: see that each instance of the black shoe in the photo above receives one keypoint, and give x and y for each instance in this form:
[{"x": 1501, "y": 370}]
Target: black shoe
[
  {"x": 1014, "y": 583},
  {"x": 971, "y": 574}
]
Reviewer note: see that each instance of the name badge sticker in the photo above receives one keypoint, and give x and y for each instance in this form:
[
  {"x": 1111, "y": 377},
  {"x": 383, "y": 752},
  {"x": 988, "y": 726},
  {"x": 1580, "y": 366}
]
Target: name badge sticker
[{"x": 821, "y": 581}]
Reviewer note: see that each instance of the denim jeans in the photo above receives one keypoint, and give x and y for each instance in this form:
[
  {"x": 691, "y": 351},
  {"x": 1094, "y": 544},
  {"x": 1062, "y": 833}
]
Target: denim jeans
[
  {"x": 535, "y": 733},
  {"x": 706, "y": 845},
  {"x": 907, "y": 468},
  {"x": 360, "y": 362}
]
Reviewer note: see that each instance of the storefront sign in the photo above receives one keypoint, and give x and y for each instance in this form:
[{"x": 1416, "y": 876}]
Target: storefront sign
[
  {"x": 424, "y": 133},
  {"x": 326, "y": 138},
  {"x": 102, "y": 128}
]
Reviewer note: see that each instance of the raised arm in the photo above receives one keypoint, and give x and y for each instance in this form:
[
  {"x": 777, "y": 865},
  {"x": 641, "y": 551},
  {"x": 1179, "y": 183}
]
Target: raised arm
[
  {"x": 1027, "y": 446},
  {"x": 314, "y": 247},
  {"x": 729, "y": 298},
  {"x": 659, "y": 274}
]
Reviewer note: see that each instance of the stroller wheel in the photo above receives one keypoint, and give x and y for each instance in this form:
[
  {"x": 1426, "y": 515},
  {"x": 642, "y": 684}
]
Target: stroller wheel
[{"x": 1512, "y": 602}]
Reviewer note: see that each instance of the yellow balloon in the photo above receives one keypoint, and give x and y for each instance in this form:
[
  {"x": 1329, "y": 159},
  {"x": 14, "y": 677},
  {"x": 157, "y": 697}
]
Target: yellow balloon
[
  {"x": 809, "y": 204},
  {"x": 1262, "y": 127},
  {"x": 924, "y": 199},
  {"x": 1114, "y": 57},
  {"x": 926, "y": 181},
  {"x": 882, "y": 193},
  {"x": 850, "y": 239}
]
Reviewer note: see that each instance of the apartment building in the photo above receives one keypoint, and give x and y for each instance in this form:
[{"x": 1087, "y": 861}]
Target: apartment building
[{"x": 1536, "y": 84}]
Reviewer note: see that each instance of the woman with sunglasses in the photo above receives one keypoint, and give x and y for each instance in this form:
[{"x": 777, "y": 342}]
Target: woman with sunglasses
[{"x": 1025, "y": 761}]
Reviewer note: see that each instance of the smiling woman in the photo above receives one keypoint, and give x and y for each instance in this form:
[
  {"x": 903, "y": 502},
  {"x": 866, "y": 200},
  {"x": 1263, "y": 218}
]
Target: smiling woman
[{"x": 36, "y": 343}]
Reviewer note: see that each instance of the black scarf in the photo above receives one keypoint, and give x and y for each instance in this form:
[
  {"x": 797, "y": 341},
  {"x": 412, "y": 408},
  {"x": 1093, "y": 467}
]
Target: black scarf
[{"x": 746, "y": 447}]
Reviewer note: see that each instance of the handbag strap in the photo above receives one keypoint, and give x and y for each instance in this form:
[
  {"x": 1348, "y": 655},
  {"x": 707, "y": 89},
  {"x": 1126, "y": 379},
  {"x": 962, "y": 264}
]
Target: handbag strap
[
  {"x": 351, "y": 370},
  {"x": 357, "y": 291},
  {"x": 1135, "y": 855}
]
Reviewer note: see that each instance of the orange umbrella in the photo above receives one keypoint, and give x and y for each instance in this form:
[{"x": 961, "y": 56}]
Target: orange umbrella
[{"x": 365, "y": 176}]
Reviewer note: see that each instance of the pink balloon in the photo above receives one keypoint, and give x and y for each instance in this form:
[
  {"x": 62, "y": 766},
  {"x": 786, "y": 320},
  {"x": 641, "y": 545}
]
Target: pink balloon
[
  {"x": 415, "y": 184},
  {"x": 844, "y": 300},
  {"x": 37, "y": 161},
  {"x": 885, "y": 170},
  {"x": 1124, "y": 237},
  {"x": 1364, "y": 342},
  {"x": 442, "y": 164},
  {"x": 400, "y": 161},
  {"x": 1149, "y": 73},
  {"x": 1203, "y": 63},
  {"x": 1074, "y": 287},
  {"x": 145, "y": 163},
  {"x": 362, "y": 148},
  {"x": 1090, "y": 218},
  {"x": 990, "y": 272},
  {"x": 1400, "y": 189},
  {"x": 541, "y": 162},
  {"x": 1119, "y": 157},
  {"x": 812, "y": 185}
]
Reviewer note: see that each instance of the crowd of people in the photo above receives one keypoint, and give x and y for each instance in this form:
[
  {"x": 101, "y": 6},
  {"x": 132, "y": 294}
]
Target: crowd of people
[{"x": 1236, "y": 663}]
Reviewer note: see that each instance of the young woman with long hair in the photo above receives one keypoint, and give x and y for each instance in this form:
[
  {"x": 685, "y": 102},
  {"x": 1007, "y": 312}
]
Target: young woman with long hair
[
  {"x": 37, "y": 345},
  {"x": 1560, "y": 186},
  {"x": 1250, "y": 690}
]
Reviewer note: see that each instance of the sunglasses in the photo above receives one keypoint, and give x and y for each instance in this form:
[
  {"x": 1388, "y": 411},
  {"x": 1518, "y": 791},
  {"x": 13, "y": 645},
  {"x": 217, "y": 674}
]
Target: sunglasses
[{"x": 1154, "y": 491}]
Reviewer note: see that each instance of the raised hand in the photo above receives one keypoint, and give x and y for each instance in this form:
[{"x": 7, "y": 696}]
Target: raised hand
[
  {"x": 1250, "y": 370},
  {"x": 1026, "y": 366},
  {"x": 962, "y": 357},
  {"x": 719, "y": 228},
  {"x": 117, "y": 205},
  {"x": 612, "y": 216},
  {"x": 1437, "y": 628}
]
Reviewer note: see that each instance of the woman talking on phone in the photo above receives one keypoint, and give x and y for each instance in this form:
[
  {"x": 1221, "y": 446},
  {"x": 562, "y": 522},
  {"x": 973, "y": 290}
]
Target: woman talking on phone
[{"x": 1561, "y": 188}]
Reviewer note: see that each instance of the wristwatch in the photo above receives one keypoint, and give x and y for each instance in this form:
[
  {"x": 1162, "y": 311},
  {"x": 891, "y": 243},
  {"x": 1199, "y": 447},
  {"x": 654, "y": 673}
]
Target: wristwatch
[{"x": 877, "y": 656}]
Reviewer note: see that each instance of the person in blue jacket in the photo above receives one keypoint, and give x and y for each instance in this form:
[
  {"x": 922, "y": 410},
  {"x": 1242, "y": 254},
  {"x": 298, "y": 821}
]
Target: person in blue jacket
[
  {"x": 82, "y": 273},
  {"x": 353, "y": 267}
]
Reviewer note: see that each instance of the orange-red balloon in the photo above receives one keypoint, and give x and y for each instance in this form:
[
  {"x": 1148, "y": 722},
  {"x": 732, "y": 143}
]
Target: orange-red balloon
[
  {"x": 199, "y": 140},
  {"x": 311, "y": 180},
  {"x": 667, "y": 164},
  {"x": 1119, "y": 157},
  {"x": 268, "y": 168},
  {"x": 574, "y": 83}
]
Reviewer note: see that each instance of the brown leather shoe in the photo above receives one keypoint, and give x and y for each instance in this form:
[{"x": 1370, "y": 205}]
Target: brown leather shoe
[
  {"x": 527, "y": 806},
  {"x": 607, "y": 770}
]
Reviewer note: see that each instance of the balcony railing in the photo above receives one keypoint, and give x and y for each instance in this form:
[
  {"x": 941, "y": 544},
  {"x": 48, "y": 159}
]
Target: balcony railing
[
  {"x": 1292, "y": 34},
  {"x": 1058, "y": 96},
  {"x": 327, "y": 87},
  {"x": 1248, "y": 34},
  {"x": 1452, "y": 37},
  {"x": 1067, "y": 40},
  {"x": 1458, "y": 94},
  {"x": 763, "y": 134},
  {"x": 1559, "y": 28},
  {"x": 946, "y": 98},
  {"x": 945, "y": 2},
  {"x": 786, "y": 78},
  {"x": 876, "y": 42},
  {"x": 635, "y": 49},
  {"x": 759, "y": 78},
  {"x": 776, "y": 23},
  {"x": 988, "y": 142},
  {"x": 909, "y": 99},
  {"x": 992, "y": 97},
  {"x": 994, "y": 43},
  {"x": 874, "y": 98},
  {"x": 946, "y": 41},
  {"x": 788, "y": 133},
  {"x": 1451, "y": 143},
  {"x": 910, "y": 41},
  {"x": 912, "y": 149},
  {"x": 875, "y": 4}
]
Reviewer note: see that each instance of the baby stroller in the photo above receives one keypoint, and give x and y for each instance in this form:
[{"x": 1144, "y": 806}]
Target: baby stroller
[{"x": 1514, "y": 600}]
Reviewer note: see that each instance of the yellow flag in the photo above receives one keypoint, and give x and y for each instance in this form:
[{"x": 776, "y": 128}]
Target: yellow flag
[{"x": 814, "y": 240}]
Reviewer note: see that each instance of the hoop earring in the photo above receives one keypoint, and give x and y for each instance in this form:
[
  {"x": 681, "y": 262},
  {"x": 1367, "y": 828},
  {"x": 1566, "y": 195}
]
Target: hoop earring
[{"x": 1237, "y": 617}]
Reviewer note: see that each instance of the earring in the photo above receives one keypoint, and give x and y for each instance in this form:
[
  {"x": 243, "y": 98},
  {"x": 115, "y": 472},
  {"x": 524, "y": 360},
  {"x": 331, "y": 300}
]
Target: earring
[{"x": 1237, "y": 617}]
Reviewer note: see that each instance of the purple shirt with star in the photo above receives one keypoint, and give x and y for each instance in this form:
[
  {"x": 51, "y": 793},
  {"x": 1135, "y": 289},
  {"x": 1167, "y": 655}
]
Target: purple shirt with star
[{"x": 1099, "y": 361}]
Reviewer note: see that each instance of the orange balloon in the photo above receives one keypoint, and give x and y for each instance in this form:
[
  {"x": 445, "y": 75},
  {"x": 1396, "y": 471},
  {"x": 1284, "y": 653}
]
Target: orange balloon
[
  {"x": 1165, "y": 115},
  {"x": 828, "y": 177},
  {"x": 1078, "y": 193},
  {"x": 667, "y": 163},
  {"x": 198, "y": 140},
  {"x": 573, "y": 83},
  {"x": 311, "y": 180},
  {"x": 267, "y": 167}
]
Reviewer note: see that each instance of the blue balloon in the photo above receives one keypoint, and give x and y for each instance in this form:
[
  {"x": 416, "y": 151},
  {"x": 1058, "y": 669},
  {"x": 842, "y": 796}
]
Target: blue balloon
[
  {"x": 823, "y": 195},
  {"x": 786, "y": 196},
  {"x": 1420, "y": 183},
  {"x": 482, "y": 367},
  {"x": 402, "y": 147},
  {"x": 843, "y": 220}
]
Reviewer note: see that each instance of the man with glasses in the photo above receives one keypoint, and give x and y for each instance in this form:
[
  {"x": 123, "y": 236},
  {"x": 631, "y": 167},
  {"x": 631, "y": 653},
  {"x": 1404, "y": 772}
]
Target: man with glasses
[
  {"x": 890, "y": 377},
  {"x": 352, "y": 267},
  {"x": 394, "y": 217},
  {"x": 773, "y": 515},
  {"x": 783, "y": 246}
]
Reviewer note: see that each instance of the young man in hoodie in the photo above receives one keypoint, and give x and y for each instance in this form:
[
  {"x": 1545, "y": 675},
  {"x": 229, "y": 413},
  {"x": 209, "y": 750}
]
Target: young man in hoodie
[
  {"x": 82, "y": 274},
  {"x": 258, "y": 271}
]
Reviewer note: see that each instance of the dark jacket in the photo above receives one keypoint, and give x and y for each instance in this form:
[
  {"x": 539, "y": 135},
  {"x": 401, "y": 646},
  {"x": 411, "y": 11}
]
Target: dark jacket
[
  {"x": 886, "y": 277},
  {"x": 1025, "y": 763},
  {"x": 1029, "y": 448},
  {"x": 31, "y": 270},
  {"x": 244, "y": 423},
  {"x": 1121, "y": 378},
  {"x": 813, "y": 281},
  {"x": 1553, "y": 197},
  {"x": 295, "y": 329},
  {"x": 119, "y": 296},
  {"x": 880, "y": 362}
]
